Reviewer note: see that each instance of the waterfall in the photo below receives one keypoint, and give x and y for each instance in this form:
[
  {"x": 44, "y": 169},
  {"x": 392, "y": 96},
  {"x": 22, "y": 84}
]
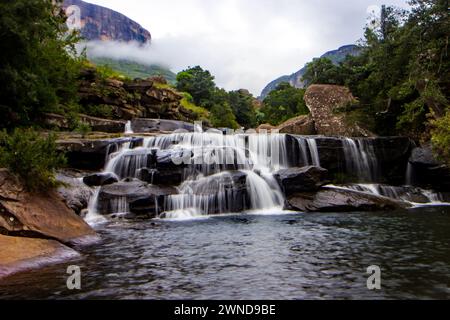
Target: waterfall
[
  {"x": 223, "y": 173},
  {"x": 360, "y": 159},
  {"x": 128, "y": 128},
  {"x": 93, "y": 217},
  {"x": 309, "y": 151},
  {"x": 413, "y": 195},
  {"x": 410, "y": 174}
]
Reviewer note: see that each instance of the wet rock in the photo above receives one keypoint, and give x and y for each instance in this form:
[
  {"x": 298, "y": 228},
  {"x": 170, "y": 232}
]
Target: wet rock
[
  {"x": 331, "y": 199},
  {"x": 73, "y": 191},
  {"x": 22, "y": 254},
  {"x": 391, "y": 154},
  {"x": 100, "y": 179},
  {"x": 158, "y": 125},
  {"x": 86, "y": 154},
  {"x": 42, "y": 215},
  {"x": 427, "y": 171},
  {"x": 171, "y": 177},
  {"x": 304, "y": 179},
  {"x": 139, "y": 196}
]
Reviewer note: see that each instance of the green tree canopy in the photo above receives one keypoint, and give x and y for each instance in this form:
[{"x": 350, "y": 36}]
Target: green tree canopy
[
  {"x": 322, "y": 71},
  {"x": 242, "y": 104},
  {"x": 38, "y": 68},
  {"x": 283, "y": 103},
  {"x": 198, "y": 83}
]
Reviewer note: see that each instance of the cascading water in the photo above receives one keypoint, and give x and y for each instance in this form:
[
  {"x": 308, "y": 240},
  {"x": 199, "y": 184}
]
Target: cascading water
[
  {"x": 222, "y": 173},
  {"x": 413, "y": 195},
  {"x": 128, "y": 128},
  {"x": 360, "y": 159},
  {"x": 218, "y": 173},
  {"x": 309, "y": 151}
]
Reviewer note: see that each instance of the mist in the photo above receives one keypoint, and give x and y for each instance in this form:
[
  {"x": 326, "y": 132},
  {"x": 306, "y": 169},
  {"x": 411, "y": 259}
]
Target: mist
[{"x": 243, "y": 43}]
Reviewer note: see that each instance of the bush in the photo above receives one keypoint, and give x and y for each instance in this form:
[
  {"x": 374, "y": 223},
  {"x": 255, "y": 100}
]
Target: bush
[
  {"x": 441, "y": 137},
  {"x": 31, "y": 157},
  {"x": 199, "y": 112},
  {"x": 83, "y": 129}
]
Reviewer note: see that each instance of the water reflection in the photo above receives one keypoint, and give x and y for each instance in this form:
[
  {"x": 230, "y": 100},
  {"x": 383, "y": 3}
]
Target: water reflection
[{"x": 313, "y": 256}]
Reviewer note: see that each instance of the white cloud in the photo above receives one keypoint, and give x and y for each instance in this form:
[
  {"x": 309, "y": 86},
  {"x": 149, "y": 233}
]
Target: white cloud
[{"x": 244, "y": 43}]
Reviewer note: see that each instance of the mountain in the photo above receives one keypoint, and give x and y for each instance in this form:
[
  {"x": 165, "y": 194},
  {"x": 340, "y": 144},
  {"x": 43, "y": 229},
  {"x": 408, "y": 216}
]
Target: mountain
[
  {"x": 100, "y": 23},
  {"x": 295, "y": 79},
  {"x": 135, "y": 70}
]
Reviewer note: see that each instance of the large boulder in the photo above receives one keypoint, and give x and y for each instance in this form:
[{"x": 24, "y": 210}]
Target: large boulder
[
  {"x": 301, "y": 125},
  {"x": 138, "y": 196},
  {"x": 22, "y": 254},
  {"x": 325, "y": 103},
  {"x": 331, "y": 199},
  {"x": 42, "y": 215},
  {"x": 426, "y": 171},
  {"x": 305, "y": 179}
]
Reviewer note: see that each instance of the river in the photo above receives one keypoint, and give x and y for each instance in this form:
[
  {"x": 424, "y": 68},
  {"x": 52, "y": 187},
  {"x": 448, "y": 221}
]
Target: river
[{"x": 278, "y": 256}]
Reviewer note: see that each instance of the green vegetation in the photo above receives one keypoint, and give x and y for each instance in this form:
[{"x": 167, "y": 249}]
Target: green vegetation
[
  {"x": 199, "y": 84},
  {"x": 441, "y": 137},
  {"x": 402, "y": 76},
  {"x": 134, "y": 70},
  {"x": 32, "y": 158},
  {"x": 38, "y": 66},
  {"x": 283, "y": 103},
  {"x": 188, "y": 103},
  {"x": 243, "y": 106},
  {"x": 225, "y": 109},
  {"x": 324, "y": 71}
]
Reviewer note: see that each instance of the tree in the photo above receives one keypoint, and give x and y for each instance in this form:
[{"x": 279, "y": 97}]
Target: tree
[
  {"x": 38, "y": 67},
  {"x": 283, "y": 103},
  {"x": 198, "y": 83},
  {"x": 322, "y": 71},
  {"x": 221, "y": 112},
  {"x": 242, "y": 104}
]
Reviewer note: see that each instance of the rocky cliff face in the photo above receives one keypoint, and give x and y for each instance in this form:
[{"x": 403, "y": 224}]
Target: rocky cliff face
[
  {"x": 296, "y": 80},
  {"x": 324, "y": 102},
  {"x": 99, "y": 23}
]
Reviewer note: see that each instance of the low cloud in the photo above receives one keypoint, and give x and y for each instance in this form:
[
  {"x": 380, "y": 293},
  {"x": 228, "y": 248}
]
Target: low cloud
[{"x": 244, "y": 43}]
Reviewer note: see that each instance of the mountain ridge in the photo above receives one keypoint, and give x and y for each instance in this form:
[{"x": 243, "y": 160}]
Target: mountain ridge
[
  {"x": 101, "y": 23},
  {"x": 295, "y": 79}
]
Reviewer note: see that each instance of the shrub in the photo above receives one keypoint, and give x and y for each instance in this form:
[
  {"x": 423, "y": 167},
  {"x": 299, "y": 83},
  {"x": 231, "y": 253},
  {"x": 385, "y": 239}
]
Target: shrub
[
  {"x": 441, "y": 137},
  {"x": 199, "y": 112},
  {"x": 31, "y": 157},
  {"x": 84, "y": 129}
]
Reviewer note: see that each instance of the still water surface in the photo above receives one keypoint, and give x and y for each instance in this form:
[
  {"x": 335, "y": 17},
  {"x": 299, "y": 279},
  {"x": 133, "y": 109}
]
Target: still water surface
[{"x": 289, "y": 256}]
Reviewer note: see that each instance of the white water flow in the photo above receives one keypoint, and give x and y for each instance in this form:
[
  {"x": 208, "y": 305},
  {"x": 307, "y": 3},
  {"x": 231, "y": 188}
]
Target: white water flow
[
  {"x": 222, "y": 173},
  {"x": 413, "y": 195},
  {"x": 309, "y": 151},
  {"x": 128, "y": 128},
  {"x": 360, "y": 159},
  {"x": 93, "y": 217}
]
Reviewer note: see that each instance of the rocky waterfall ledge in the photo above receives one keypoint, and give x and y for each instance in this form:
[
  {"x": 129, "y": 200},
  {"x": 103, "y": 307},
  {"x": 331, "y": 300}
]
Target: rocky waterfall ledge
[
  {"x": 140, "y": 180},
  {"x": 36, "y": 229}
]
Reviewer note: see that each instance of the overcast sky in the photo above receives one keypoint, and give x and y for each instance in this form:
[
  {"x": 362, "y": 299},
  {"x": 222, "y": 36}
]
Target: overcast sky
[{"x": 245, "y": 43}]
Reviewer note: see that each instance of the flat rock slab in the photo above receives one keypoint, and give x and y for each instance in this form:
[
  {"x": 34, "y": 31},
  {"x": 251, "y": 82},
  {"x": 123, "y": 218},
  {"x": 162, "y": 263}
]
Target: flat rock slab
[
  {"x": 331, "y": 199},
  {"x": 21, "y": 254}
]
